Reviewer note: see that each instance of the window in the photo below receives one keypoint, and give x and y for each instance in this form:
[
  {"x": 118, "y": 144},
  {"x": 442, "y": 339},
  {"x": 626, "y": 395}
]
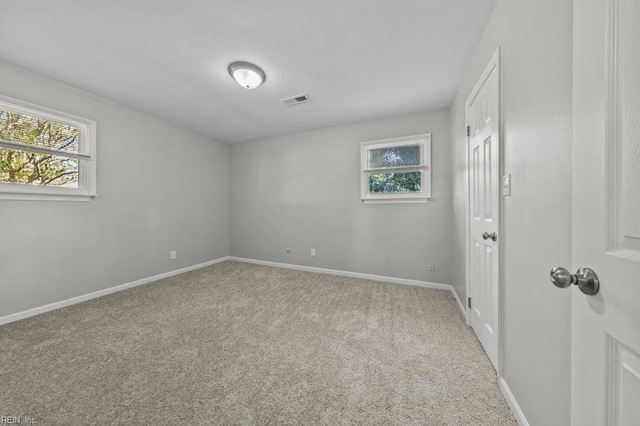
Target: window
[
  {"x": 396, "y": 170},
  {"x": 45, "y": 154}
]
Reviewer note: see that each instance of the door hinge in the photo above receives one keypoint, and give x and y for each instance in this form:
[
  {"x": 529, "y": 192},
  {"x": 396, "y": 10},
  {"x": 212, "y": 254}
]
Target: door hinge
[
  {"x": 468, "y": 130},
  {"x": 469, "y": 302}
]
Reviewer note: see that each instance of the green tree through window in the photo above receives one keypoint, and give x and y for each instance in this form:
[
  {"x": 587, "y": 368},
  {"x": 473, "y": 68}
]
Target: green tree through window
[
  {"x": 35, "y": 168},
  {"x": 395, "y": 182}
]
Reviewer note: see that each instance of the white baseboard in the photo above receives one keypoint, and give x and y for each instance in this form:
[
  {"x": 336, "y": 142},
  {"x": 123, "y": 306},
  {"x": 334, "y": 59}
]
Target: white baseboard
[
  {"x": 403, "y": 281},
  {"x": 513, "y": 404},
  {"x": 79, "y": 299},
  {"x": 344, "y": 273}
]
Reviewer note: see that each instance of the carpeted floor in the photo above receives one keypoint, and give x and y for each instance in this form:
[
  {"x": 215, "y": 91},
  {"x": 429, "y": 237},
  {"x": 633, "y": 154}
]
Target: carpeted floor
[{"x": 243, "y": 344}]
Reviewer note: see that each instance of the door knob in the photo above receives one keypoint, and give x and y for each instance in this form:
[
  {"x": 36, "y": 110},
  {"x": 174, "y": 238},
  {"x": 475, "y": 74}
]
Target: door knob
[
  {"x": 585, "y": 278},
  {"x": 491, "y": 236}
]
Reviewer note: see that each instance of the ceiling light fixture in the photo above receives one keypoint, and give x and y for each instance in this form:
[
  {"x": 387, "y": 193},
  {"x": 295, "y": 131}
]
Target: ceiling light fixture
[{"x": 247, "y": 75}]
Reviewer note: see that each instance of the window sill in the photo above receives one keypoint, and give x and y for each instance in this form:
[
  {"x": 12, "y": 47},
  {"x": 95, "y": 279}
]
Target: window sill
[
  {"x": 395, "y": 200},
  {"x": 9, "y": 196}
]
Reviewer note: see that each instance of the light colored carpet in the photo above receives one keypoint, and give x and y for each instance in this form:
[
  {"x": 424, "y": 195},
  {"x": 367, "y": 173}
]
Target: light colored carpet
[{"x": 244, "y": 344}]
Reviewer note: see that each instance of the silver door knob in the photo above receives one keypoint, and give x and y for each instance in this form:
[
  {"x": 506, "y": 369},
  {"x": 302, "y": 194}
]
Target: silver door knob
[
  {"x": 585, "y": 278},
  {"x": 490, "y": 236}
]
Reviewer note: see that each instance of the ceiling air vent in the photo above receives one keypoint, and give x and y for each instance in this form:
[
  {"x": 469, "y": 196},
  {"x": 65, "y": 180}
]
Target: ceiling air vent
[{"x": 296, "y": 100}]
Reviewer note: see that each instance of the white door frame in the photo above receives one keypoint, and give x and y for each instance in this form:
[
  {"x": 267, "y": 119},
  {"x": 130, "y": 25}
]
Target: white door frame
[{"x": 492, "y": 66}]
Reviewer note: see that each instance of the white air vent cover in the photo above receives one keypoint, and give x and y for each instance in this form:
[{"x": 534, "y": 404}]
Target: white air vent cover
[{"x": 296, "y": 100}]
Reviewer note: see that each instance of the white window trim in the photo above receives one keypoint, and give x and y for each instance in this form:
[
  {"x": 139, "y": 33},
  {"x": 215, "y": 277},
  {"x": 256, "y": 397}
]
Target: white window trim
[
  {"x": 425, "y": 166},
  {"x": 86, "y": 166}
]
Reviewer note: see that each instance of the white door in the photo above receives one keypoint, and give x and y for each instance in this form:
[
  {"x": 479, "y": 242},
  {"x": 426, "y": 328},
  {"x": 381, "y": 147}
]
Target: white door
[
  {"x": 484, "y": 203},
  {"x": 605, "y": 356}
]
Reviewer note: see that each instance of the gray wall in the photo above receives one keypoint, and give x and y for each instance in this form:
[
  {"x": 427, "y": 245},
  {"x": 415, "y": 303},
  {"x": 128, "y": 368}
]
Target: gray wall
[
  {"x": 536, "y": 40},
  {"x": 303, "y": 190},
  {"x": 160, "y": 188}
]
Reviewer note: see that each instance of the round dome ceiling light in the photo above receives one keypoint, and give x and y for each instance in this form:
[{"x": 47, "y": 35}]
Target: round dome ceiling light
[{"x": 247, "y": 75}]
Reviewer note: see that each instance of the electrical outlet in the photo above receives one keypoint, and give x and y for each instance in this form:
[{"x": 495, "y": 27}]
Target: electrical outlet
[
  {"x": 173, "y": 255},
  {"x": 431, "y": 267},
  {"x": 287, "y": 250},
  {"x": 313, "y": 252}
]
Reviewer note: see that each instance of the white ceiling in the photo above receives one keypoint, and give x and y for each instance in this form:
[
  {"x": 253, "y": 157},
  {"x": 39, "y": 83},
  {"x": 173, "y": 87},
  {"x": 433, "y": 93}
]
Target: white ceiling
[{"x": 357, "y": 59}]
